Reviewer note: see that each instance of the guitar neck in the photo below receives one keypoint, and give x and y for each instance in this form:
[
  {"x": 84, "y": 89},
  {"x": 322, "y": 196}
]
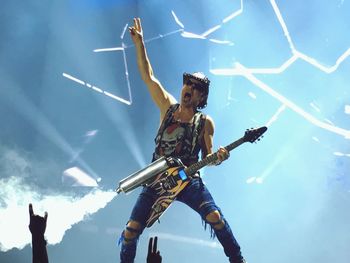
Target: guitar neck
[{"x": 211, "y": 158}]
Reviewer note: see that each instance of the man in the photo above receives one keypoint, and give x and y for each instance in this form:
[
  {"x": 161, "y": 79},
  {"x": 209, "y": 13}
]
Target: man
[{"x": 184, "y": 131}]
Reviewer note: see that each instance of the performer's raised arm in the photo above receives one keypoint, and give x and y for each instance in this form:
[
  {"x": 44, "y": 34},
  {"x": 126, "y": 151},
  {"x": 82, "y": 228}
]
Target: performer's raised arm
[{"x": 160, "y": 96}]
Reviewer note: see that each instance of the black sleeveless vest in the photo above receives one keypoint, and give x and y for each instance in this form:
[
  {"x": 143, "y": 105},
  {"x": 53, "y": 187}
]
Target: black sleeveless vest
[{"x": 177, "y": 139}]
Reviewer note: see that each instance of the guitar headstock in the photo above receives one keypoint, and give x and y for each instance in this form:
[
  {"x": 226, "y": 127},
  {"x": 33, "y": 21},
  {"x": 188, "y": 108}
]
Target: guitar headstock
[{"x": 253, "y": 134}]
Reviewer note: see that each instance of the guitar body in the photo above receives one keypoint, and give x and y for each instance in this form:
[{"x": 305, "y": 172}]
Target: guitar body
[{"x": 167, "y": 185}]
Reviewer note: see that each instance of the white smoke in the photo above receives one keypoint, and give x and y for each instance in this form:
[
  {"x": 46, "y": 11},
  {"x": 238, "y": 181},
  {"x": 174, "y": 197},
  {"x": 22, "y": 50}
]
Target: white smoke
[{"x": 64, "y": 211}]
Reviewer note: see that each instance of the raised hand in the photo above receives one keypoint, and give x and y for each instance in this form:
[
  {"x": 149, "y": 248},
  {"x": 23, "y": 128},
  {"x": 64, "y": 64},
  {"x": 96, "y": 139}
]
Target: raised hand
[
  {"x": 37, "y": 224},
  {"x": 153, "y": 255},
  {"x": 136, "y": 31}
]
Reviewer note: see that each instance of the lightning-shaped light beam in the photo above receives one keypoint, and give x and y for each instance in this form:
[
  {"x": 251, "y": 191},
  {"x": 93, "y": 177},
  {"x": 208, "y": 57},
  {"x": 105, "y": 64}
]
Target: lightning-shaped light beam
[
  {"x": 234, "y": 14},
  {"x": 283, "y": 24},
  {"x": 96, "y": 88},
  {"x": 211, "y": 30},
  {"x": 244, "y": 72},
  {"x": 108, "y": 49},
  {"x": 177, "y": 20},
  {"x": 295, "y": 55}
]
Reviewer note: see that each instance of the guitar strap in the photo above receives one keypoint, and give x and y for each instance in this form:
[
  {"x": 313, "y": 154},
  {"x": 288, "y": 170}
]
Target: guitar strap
[{"x": 198, "y": 125}]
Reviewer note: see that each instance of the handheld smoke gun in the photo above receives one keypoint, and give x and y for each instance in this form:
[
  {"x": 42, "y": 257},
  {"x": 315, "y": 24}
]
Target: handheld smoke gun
[{"x": 145, "y": 175}]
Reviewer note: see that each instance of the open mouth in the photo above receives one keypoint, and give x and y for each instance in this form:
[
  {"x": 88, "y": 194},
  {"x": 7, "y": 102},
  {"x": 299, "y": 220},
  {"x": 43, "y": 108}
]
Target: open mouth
[{"x": 187, "y": 96}]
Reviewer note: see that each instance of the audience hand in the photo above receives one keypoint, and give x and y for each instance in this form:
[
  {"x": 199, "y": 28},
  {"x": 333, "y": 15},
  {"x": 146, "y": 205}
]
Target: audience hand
[
  {"x": 37, "y": 224},
  {"x": 153, "y": 255}
]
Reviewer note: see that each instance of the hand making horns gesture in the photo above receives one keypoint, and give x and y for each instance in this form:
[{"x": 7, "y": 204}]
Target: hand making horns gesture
[{"x": 37, "y": 224}]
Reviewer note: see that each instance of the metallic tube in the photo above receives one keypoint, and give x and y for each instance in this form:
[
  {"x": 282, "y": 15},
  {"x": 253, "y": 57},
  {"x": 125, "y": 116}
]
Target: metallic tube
[{"x": 142, "y": 176}]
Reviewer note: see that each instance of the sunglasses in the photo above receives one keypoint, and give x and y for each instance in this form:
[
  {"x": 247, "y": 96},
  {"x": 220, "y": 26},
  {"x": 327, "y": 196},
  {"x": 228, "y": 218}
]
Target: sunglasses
[{"x": 195, "y": 85}]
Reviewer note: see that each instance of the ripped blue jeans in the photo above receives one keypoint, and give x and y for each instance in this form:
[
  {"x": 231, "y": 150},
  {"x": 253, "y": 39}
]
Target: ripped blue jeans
[{"x": 196, "y": 196}]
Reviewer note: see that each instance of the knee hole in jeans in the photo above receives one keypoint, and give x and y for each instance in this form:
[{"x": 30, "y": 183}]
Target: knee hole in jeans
[
  {"x": 132, "y": 231},
  {"x": 215, "y": 220}
]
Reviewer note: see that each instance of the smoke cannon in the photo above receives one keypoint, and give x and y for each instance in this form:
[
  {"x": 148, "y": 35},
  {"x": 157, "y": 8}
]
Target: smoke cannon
[{"x": 145, "y": 175}]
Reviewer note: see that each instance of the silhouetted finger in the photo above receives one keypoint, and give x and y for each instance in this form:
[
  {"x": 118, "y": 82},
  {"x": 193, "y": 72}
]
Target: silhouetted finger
[
  {"x": 155, "y": 245},
  {"x": 31, "y": 212},
  {"x": 45, "y": 216},
  {"x": 150, "y": 245}
]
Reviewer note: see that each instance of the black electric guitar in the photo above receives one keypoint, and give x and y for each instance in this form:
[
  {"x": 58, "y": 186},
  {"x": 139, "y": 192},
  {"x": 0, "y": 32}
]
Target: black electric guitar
[{"x": 172, "y": 181}]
